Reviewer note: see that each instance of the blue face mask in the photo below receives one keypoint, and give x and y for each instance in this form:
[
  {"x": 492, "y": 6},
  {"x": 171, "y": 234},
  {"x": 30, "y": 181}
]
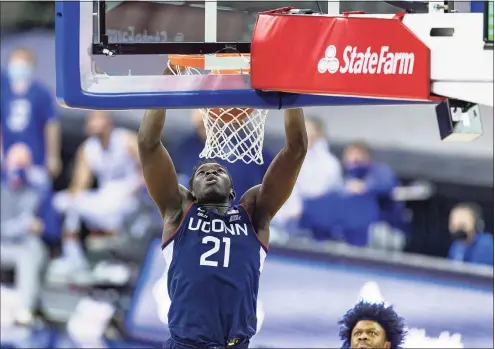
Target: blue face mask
[
  {"x": 20, "y": 71},
  {"x": 357, "y": 170}
]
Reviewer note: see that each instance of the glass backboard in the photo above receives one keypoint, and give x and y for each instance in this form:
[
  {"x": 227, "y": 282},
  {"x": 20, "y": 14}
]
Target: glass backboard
[
  {"x": 112, "y": 55},
  {"x": 192, "y": 27},
  {"x": 122, "y": 49}
]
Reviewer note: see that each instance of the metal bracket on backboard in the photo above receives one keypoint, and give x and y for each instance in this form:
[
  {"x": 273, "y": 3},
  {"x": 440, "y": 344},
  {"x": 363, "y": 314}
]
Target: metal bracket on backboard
[
  {"x": 441, "y": 7},
  {"x": 459, "y": 121}
]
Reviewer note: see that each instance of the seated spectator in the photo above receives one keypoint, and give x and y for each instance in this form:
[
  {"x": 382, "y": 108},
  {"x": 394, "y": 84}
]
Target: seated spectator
[
  {"x": 186, "y": 156},
  {"x": 364, "y": 199},
  {"x": 472, "y": 244},
  {"x": 286, "y": 221},
  {"x": 111, "y": 155},
  {"x": 321, "y": 173},
  {"x": 363, "y": 176},
  {"x": 28, "y": 115},
  {"x": 23, "y": 189}
]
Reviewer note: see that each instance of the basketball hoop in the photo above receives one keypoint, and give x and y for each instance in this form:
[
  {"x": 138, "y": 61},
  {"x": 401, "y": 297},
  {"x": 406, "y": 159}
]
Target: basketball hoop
[{"x": 232, "y": 134}]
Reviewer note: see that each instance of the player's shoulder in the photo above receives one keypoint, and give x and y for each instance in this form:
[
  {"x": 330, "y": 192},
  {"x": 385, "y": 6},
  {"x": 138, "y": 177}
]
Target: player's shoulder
[
  {"x": 174, "y": 215},
  {"x": 248, "y": 199},
  {"x": 186, "y": 198},
  {"x": 184, "y": 192}
]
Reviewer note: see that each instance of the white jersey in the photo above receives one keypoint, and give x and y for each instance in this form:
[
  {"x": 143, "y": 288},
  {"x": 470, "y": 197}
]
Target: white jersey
[{"x": 114, "y": 167}]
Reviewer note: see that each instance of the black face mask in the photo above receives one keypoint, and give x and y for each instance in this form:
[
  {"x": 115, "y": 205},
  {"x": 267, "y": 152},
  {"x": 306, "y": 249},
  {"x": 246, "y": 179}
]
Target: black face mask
[{"x": 460, "y": 234}]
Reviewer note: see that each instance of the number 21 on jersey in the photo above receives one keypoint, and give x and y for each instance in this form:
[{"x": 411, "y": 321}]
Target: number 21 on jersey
[{"x": 208, "y": 257}]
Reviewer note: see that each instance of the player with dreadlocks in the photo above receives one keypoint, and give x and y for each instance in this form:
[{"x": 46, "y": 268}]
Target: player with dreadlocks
[{"x": 372, "y": 325}]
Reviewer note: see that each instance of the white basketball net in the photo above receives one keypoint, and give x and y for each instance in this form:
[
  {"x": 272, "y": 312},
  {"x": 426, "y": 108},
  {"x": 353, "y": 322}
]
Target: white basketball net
[{"x": 232, "y": 134}]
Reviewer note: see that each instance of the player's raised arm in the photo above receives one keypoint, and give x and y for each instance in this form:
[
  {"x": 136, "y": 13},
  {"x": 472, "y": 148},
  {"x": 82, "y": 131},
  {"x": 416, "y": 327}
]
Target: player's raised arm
[
  {"x": 158, "y": 168},
  {"x": 281, "y": 175}
]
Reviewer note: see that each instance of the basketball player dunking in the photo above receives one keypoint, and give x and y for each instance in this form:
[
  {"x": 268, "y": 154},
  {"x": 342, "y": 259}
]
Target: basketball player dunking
[{"x": 214, "y": 251}]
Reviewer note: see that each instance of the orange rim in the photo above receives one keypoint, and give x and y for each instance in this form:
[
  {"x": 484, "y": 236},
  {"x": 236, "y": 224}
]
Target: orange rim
[{"x": 198, "y": 61}]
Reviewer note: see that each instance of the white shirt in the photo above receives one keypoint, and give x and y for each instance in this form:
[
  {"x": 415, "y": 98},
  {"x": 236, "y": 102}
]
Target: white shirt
[
  {"x": 114, "y": 167},
  {"x": 321, "y": 172}
]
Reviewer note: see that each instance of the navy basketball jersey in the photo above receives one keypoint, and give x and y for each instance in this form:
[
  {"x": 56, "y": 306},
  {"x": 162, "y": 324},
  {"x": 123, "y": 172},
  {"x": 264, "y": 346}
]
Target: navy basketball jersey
[{"x": 214, "y": 263}]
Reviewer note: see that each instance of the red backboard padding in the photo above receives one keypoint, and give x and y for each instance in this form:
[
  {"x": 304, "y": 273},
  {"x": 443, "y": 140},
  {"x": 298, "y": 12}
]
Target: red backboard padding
[{"x": 358, "y": 56}]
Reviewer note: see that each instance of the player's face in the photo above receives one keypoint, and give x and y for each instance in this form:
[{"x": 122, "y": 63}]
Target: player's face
[
  {"x": 211, "y": 184},
  {"x": 369, "y": 334}
]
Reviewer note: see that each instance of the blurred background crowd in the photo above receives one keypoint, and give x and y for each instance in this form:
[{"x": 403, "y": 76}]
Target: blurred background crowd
[{"x": 378, "y": 189}]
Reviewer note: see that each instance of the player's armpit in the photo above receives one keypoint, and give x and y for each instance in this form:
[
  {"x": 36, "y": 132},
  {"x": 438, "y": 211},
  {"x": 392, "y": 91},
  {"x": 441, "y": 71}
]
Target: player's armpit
[
  {"x": 158, "y": 168},
  {"x": 248, "y": 199},
  {"x": 282, "y": 173}
]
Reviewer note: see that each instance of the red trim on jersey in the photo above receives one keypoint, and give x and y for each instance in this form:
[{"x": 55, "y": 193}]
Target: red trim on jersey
[
  {"x": 166, "y": 242},
  {"x": 265, "y": 247}
]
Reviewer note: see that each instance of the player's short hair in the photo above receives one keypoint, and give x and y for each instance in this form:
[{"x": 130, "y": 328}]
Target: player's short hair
[
  {"x": 392, "y": 323},
  {"x": 202, "y": 162}
]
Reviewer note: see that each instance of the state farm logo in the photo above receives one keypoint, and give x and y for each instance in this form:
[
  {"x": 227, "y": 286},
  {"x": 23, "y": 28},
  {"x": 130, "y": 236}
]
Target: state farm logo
[
  {"x": 329, "y": 63},
  {"x": 367, "y": 62}
]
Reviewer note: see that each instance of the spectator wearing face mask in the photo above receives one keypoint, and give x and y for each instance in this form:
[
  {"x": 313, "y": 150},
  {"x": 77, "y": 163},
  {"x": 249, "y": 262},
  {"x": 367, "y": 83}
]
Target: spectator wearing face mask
[
  {"x": 362, "y": 174},
  {"x": 321, "y": 174},
  {"x": 471, "y": 244},
  {"x": 372, "y": 182},
  {"x": 23, "y": 187},
  {"x": 28, "y": 116}
]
